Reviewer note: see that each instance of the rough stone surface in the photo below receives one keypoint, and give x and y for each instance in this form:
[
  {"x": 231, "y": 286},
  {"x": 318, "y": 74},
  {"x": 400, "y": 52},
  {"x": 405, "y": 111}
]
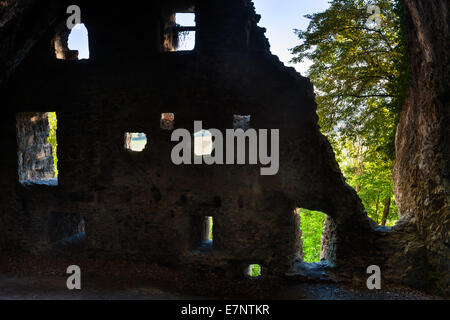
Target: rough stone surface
[
  {"x": 421, "y": 171},
  {"x": 142, "y": 206},
  {"x": 22, "y": 24}
]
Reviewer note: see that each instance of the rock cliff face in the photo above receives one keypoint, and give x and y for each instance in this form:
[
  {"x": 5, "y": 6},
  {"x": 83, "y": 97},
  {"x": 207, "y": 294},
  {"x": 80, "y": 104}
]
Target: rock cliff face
[
  {"x": 35, "y": 159},
  {"x": 421, "y": 171}
]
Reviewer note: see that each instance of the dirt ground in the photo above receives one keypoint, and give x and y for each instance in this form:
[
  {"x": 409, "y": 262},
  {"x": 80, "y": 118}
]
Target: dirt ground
[{"x": 39, "y": 278}]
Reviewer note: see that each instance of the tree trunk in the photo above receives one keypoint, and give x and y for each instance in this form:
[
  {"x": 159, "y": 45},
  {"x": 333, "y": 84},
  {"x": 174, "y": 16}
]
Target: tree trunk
[
  {"x": 359, "y": 167},
  {"x": 387, "y": 206},
  {"x": 376, "y": 207}
]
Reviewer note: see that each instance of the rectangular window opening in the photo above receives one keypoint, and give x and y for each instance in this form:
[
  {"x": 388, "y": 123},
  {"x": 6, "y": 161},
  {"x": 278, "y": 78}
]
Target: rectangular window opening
[
  {"x": 254, "y": 270},
  {"x": 167, "y": 121},
  {"x": 37, "y": 148},
  {"x": 180, "y": 32},
  {"x": 208, "y": 229},
  {"x": 135, "y": 141},
  {"x": 311, "y": 230},
  {"x": 241, "y": 122},
  {"x": 206, "y": 235},
  {"x": 203, "y": 143}
]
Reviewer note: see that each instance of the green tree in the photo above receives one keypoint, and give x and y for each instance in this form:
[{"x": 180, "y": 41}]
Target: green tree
[
  {"x": 53, "y": 124},
  {"x": 361, "y": 77},
  {"x": 372, "y": 178},
  {"x": 255, "y": 270}
]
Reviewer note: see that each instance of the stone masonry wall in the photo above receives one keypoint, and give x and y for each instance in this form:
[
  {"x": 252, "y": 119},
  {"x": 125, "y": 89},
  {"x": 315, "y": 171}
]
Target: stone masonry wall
[{"x": 142, "y": 206}]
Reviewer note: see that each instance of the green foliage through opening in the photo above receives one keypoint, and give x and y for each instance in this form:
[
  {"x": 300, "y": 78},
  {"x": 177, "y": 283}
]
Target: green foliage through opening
[
  {"x": 361, "y": 77},
  {"x": 210, "y": 228},
  {"x": 255, "y": 270},
  {"x": 311, "y": 224},
  {"x": 53, "y": 124}
]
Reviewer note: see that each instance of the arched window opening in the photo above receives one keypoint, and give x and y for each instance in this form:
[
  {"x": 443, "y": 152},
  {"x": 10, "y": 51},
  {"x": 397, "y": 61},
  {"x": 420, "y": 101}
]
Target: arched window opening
[
  {"x": 72, "y": 44},
  {"x": 203, "y": 234},
  {"x": 79, "y": 41}
]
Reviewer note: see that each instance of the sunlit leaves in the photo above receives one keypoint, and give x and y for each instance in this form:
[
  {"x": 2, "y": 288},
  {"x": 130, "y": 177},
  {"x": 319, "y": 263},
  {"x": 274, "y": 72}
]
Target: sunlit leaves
[
  {"x": 52, "y": 121},
  {"x": 358, "y": 72},
  {"x": 311, "y": 224},
  {"x": 361, "y": 78}
]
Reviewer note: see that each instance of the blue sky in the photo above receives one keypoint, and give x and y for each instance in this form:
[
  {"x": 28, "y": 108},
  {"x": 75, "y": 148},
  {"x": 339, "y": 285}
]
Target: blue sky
[
  {"x": 78, "y": 40},
  {"x": 279, "y": 17}
]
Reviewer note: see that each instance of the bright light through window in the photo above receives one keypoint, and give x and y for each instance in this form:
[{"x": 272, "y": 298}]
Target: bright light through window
[
  {"x": 186, "y": 39},
  {"x": 135, "y": 141},
  {"x": 185, "y": 19},
  {"x": 203, "y": 144},
  {"x": 78, "y": 40}
]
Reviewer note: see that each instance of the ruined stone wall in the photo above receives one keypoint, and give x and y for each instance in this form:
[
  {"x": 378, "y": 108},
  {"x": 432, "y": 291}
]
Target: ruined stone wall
[
  {"x": 22, "y": 24},
  {"x": 141, "y": 205}
]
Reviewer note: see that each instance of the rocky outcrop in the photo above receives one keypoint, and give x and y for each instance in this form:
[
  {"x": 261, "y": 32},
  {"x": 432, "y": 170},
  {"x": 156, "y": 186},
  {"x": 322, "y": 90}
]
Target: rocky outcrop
[{"x": 421, "y": 173}]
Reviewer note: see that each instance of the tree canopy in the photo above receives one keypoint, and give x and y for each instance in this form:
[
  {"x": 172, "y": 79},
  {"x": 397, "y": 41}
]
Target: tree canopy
[{"x": 360, "y": 72}]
